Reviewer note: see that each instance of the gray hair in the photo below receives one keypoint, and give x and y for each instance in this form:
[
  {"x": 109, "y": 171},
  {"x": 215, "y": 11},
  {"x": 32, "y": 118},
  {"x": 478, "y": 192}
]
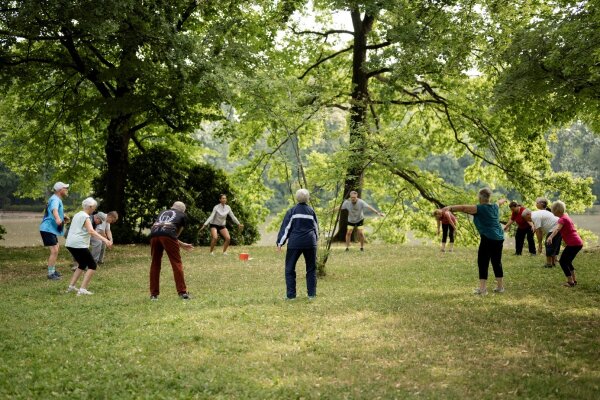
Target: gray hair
[
  {"x": 558, "y": 207},
  {"x": 101, "y": 215},
  {"x": 353, "y": 192},
  {"x": 302, "y": 196},
  {"x": 484, "y": 195},
  {"x": 89, "y": 202},
  {"x": 179, "y": 206},
  {"x": 542, "y": 200}
]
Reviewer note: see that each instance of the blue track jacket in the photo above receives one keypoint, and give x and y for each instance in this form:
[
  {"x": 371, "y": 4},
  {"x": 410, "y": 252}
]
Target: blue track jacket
[{"x": 300, "y": 227}]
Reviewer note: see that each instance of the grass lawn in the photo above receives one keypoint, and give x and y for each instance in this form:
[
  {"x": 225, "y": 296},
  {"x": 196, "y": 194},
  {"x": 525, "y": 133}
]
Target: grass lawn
[{"x": 394, "y": 322}]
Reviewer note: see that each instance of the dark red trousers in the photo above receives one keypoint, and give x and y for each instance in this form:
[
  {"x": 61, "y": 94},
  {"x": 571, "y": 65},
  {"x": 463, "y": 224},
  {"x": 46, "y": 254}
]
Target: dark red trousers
[{"x": 158, "y": 245}]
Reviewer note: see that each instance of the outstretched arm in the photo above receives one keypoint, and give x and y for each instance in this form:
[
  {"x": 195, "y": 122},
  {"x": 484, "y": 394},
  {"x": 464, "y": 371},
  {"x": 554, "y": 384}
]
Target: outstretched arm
[{"x": 465, "y": 208}]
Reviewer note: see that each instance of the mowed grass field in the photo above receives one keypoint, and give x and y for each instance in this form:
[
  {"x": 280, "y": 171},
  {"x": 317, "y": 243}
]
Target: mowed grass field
[{"x": 393, "y": 322}]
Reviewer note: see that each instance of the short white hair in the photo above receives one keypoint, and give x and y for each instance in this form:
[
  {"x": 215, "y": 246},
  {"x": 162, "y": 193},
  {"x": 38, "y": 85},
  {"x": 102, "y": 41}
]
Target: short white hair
[
  {"x": 179, "y": 206},
  {"x": 558, "y": 207},
  {"x": 302, "y": 196},
  {"x": 89, "y": 203},
  {"x": 484, "y": 195}
]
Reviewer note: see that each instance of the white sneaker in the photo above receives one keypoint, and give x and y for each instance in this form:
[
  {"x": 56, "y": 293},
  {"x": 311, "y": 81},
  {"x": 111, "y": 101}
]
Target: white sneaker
[
  {"x": 225, "y": 253},
  {"x": 212, "y": 253},
  {"x": 480, "y": 292},
  {"x": 83, "y": 291},
  {"x": 499, "y": 290},
  {"x": 71, "y": 288}
]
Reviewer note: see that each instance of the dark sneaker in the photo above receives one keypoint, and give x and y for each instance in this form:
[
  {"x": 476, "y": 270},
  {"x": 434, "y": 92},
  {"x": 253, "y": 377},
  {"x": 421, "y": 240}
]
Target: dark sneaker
[
  {"x": 57, "y": 274},
  {"x": 154, "y": 298},
  {"x": 185, "y": 296},
  {"x": 54, "y": 277},
  {"x": 347, "y": 249},
  {"x": 361, "y": 249}
]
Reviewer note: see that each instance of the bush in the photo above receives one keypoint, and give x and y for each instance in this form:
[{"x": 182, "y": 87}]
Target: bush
[
  {"x": 159, "y": 177},
  {"x": 2, "y": 232}
]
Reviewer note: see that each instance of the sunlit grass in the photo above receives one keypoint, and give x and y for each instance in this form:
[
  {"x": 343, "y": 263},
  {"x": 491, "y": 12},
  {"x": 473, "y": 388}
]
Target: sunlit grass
[{"x": 394, "y": 322}]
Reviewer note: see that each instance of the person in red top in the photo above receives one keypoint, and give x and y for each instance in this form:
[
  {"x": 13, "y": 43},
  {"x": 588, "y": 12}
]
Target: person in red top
[
  {"x": 566, "y": 228},
  {"x": 448, "y": 222},
  {"x": 524, "y": 228}
]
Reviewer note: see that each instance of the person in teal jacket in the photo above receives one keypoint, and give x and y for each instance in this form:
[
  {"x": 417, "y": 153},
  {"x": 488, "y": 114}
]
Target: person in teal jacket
[{"x": 486, "y": 218}]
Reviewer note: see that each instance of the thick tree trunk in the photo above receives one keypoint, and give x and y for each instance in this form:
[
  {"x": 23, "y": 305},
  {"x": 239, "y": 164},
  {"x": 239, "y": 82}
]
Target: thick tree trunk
[
  {"x": 358, "y": 115},
  {"x": 117, "y": 158}
]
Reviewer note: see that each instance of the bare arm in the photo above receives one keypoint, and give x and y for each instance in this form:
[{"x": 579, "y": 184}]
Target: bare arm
[
  {"x": 465, "y": 208},
  {"x": 375, "y": 211},
  {"x": 554, "y": 233},
  {"x": 92, "y": 232}
]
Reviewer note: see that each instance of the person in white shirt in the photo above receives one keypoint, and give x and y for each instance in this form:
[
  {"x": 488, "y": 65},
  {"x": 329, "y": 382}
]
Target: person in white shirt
[
  {"x": 356, "y": 217},
  {"x": 78, "y": 244},
  {"x": 217, "y": 221},
  {"x": 545, "y": 222}
]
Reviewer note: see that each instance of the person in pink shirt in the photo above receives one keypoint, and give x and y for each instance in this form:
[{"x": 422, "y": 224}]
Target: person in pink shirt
[
  {"x": 574, "y": 244},
  {"x": 448, "y": 222}
]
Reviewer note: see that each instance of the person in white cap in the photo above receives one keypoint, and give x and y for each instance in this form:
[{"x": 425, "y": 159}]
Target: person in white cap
[{"x": 53, "y": 224}]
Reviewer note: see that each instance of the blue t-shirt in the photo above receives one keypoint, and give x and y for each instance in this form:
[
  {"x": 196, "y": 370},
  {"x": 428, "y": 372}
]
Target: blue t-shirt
[
  {"x": 487, "y": 221},
  {"x": 48, "y": 223}
]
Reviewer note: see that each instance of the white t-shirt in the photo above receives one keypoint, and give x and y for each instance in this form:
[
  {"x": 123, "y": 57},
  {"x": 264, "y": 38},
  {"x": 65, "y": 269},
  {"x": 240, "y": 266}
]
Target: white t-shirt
[
  {"x": 219, "y": 215},
  {"x": 544, "y": 219},
  {"x": 78, "y": 237},
  {"x": 355, "y": 210}
]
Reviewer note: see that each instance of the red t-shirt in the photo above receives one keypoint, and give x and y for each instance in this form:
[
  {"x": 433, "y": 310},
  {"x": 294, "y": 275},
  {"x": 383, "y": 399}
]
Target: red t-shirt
[
  {"x": 518, "y": 218},
  {"x": 568, "y": 231},
  {"x": 447, "y": 217}
]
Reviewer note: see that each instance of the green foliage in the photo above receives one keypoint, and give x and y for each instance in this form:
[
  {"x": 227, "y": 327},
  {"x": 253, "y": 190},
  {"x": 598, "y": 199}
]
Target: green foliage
[
  {"x": 159, "y": 178},
  {"x": 2, "y": 232}
]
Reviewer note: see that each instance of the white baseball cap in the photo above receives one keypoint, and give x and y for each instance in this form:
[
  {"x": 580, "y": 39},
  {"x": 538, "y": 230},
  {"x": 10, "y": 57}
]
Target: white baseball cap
[{"x": 59, "y": 185}]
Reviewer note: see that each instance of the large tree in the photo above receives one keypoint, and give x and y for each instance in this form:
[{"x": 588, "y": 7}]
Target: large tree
[
  {"x": 87, "y": 80},
  {"x": 401, "y": 74}
]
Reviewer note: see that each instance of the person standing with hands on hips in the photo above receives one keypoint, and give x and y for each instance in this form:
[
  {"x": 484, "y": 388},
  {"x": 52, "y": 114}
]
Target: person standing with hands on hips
[
  {"x": 356, "y": 217},
  {"x": 52, "y": 226},
  {"x": 300, "y": 229},
  {"x": 486, "y": 218},
  {"x": 217, "y": 221},
  {"x": 566, "y": 228}
]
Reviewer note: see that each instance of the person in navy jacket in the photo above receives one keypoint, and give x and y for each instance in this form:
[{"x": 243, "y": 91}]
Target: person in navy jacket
[{"x": 301, "y": 230}]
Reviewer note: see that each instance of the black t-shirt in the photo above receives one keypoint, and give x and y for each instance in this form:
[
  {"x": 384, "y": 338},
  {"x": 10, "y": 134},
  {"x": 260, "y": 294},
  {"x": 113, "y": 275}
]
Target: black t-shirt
[{"x": 168, "y": 223}]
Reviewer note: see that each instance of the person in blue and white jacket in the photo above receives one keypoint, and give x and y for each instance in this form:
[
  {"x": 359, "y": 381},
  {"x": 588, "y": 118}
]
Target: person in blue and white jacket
[{"x": 300, "y": 229}]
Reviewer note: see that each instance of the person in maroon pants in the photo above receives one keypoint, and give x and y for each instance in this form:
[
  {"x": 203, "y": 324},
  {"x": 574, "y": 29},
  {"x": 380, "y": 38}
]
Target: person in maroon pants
[{"x": 164, "y": 237}]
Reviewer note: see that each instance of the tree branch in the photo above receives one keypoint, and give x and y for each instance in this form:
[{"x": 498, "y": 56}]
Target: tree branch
[
  {"x": 321, "y": 61},
  {"x": 325, "y": 34},
  {"x": 378, "y": 72},
  {"x": 186, "y": 14},
  {"x": 379, "y": 45}
]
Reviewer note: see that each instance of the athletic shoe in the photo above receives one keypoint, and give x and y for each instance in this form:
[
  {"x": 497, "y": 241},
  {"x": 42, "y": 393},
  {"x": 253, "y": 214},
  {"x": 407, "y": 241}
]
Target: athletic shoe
[
  {"x": 154, "y": 298},
  {"x": 312, "y": 297},
  {"x": 361, "y": 249},
  {"x": 74, "y": 267},
  {"x": 184, "y": 296},
  {"x": 54, "y": 277},
  {"x": 57, "y": 274},
  {"x": 548, "y": 265},
  {"x": 71, "y": 288},
  {"x": 212, "y": 253},
  {"x": 290, "y": 298},
  {"x": 499, "y": 290},
  {"x": 83, "y": 292},
  {"x": 225, "y": 253},
  {"x": 480, "y": 292},
  {"x": 347, "y": 249}
]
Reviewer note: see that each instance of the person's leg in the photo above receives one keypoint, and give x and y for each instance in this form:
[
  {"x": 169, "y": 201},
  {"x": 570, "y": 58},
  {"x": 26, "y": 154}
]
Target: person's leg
[
  {"x": 87, "y": 278},
  {"x": 566, "y": 263},
  {"x": 172, "y": 248},
  {"x": 310, "y": 258},
  {"x": 444, "y": 236},
  {"x": 53, "y": 256},
  {"x": 156, "y": 251},
  {"x": 291, "y": 258},
  {"x": 519, "y": 241},
  {"x": 102, "y": 252},
  {"x": 96, "y": 249},
  {"x": 361, "y": 237},
  {"x": 496, "y": 259},
  {"x": 451, "y": 236},
  {"x": 213, "y": 239},
  {"x": 483, "y": 260},
  {"x": 530, "y": 242},
  {"x": 75, "y": 277},
  {"x": 349, "y": 230},
  {"x": 227, "y": 238}
]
